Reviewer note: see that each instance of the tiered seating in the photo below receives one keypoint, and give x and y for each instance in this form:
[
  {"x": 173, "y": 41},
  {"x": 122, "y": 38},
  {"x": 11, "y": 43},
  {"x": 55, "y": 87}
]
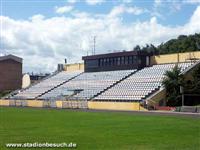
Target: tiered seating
[
  {"x": 45, "y": 85},
  {"x": 139, "y": 85},
  {"x": 89, "y": 84}
]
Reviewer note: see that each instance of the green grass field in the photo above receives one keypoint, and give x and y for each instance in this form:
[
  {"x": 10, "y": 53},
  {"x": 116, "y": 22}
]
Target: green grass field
[{"x": 99, "y": 130}]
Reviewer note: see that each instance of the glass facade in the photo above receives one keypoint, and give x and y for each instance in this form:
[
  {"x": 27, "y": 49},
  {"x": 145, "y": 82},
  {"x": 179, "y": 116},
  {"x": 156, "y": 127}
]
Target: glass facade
[
  {"x": 91, "y": 63},
  {"x": 117, "y": 61}
]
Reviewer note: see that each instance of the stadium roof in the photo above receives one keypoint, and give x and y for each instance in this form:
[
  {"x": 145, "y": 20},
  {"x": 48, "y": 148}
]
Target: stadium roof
[{"x": 15, "y": 58}]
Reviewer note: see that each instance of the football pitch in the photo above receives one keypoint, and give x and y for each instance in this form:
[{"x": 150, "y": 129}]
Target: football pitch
[{"x": 98, "y": 130}]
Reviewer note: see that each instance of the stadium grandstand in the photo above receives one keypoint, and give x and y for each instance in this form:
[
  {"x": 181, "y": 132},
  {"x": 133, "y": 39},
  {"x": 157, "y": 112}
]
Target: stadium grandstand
[{"x": 128, "y": 80}]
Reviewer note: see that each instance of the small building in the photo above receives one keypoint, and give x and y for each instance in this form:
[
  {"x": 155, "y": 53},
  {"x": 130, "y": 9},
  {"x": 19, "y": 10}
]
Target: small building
[
  {"x": 10, "y": 72},
  {"x": 117, "y": 61}
]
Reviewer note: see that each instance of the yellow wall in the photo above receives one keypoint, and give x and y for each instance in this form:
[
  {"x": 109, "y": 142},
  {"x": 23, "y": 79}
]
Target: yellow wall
[
  {"x": 155, "y": 99},
  {"x": 74, "y": 67},
  {"x": 59, "y": 104},
  {"x": 115, "y": 105},
  {"x": 35, "y": 103},
  {"x": 173, "y": 58},
  {"x": 91, "y": 105},
  {"x": 4, "y": 103}
]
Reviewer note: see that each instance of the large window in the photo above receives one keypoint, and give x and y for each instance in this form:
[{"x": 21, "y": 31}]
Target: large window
[
  {"x": 126, "y": 60},
  {"x": 111, "y": 62},
  {"x": 134, "y": 59},
  {"x": 130, "y": 60},
  {"x": 92, "y": 63},
  {"x": 100, "y": 62},
  {"x": 118, "y": 61},
  {"x": 115, "y": 61},
  {"x": 122, "y": 60}
]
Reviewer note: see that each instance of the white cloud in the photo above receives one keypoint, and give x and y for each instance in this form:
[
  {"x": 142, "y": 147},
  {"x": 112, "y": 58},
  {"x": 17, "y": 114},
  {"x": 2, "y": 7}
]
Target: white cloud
[
  {"x": 94, "y": 2},
  {"x": 72, "y": 1},
  {"x": 64, "y": 9},
  {"x": 44, "y": 42},
  {"x": 37, "y": 17},
  {"x": 118, "y": 10},
  {"x": 157, "y": 2},
  {"x": 126, "y": 1},
  {"x": 192, "y": 1},
  {"x": 160, "y": 7}
]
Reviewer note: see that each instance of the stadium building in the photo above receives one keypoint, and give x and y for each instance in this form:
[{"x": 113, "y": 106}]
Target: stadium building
[
  {"x": 128, "y": 80},
  {"x": 10, "y": 73}
]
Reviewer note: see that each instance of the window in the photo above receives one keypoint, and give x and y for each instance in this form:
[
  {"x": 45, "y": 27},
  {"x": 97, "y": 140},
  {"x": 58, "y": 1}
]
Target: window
[
  {"x": 115, "y": 61},
  {"x": 92, "y": 63},
  {"x": 107, "y": 62},
  {"x": 134, "y": 59},
  {"x": 118, "y": 61},
  {"x": 111, "y": 61},
  {"x": 126, "y": 60},
  {"x": 122, "y": 60},
  {"x": 101, "y": 62},
  {"x": 130, "y": 60}
]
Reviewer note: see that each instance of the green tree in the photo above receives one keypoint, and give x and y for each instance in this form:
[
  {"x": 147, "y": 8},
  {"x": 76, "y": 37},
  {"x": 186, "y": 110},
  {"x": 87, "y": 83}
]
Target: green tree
[
  {"x": 193, "y": 86},
  {"x": 172, "y": 82},
  {"x": 196, "y": 76},
  {"x": 137, "y": 48}
]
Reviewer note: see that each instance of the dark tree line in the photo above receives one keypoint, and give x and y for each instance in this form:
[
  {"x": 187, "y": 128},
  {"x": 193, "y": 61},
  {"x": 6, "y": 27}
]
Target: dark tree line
[{"x": 183, "y": 43}]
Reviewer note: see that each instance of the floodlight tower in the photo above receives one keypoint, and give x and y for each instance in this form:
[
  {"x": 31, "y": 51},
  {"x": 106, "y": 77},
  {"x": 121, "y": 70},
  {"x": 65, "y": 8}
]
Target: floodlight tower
[{"x": 94, "y": 45}]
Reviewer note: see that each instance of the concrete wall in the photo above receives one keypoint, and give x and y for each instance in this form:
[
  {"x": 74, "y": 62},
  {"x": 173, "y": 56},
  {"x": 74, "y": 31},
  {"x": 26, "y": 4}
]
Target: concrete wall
[
  {"x": 66, "y": 104},
  {"x": 74, "y": 67},
  {"x": 173, "y": 58},
  {"x": 35, "y": 103},
  {"x": 129, "y": 106},
  {"x": 59, "y": 104},
  {"x": 10, "y": 75},
  {"x": 7, "y": 102},
  {"x": 157, "y": 97}
]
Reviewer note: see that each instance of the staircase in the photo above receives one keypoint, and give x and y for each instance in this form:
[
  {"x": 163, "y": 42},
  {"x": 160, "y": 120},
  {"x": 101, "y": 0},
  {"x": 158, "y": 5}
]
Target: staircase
[
  {"x": 38, "y": 97},
  {"x": 21, "y": 90}
]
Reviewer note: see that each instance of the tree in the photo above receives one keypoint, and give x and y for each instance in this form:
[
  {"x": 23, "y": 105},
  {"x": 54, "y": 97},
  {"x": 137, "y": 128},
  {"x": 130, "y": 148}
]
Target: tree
[
  {"x": 172, "y": 82},
  {"x": 137, "y": 48},
  {"x": 193, "y": 86}
]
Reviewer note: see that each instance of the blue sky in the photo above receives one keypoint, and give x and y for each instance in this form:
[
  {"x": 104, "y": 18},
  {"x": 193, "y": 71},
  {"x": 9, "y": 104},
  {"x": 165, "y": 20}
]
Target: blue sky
[
  {"x": 171, "y": 13},
  {"x": 44, "y": 32}
]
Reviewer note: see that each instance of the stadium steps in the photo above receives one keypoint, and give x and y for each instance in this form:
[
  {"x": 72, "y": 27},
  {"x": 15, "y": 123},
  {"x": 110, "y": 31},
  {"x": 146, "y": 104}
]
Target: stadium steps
[
  {"x": 53, "y": 74},
  {"x": 70, "y": 97},
  {"x": 113, "y": 84},
  {"x": 13, "y": 93},
  {"x": 38, "y": 97}
]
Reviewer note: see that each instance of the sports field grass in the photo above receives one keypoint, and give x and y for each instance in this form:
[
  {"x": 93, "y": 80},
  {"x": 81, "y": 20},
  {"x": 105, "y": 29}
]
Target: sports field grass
[{"x": 99, "y": 130}]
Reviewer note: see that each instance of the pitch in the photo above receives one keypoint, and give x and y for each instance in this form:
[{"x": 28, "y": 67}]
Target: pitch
[{"x": 98, "y": 130}]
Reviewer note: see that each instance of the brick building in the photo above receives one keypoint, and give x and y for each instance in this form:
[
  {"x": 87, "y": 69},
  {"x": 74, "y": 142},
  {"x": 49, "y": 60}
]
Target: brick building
[{"x": 10, "y": 72}]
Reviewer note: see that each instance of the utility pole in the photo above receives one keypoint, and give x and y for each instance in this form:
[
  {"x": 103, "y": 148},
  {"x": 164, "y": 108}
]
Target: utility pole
[{"x": 94, "y": 45}]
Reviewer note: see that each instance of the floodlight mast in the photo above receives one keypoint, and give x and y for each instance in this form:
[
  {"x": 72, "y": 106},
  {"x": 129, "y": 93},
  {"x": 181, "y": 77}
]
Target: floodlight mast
[{"x": 94, "y": 45}]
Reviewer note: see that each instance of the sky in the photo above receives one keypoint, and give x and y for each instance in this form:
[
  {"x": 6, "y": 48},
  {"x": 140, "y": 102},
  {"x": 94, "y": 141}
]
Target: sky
[{"x": 45, "y": 32}]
